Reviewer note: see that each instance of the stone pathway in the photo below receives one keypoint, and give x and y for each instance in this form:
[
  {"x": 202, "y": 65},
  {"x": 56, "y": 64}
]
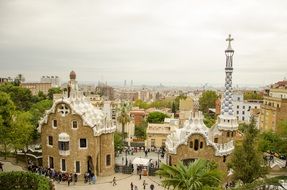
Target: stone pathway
[
  {"x": 7, "y": 167},
  {"x": 105, "y": 183}
]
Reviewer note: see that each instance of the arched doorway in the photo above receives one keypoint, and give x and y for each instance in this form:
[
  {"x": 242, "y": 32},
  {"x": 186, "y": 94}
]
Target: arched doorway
[{"x": 188, "y": 161}]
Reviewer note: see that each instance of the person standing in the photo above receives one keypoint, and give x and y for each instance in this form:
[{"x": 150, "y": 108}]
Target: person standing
[
  {"x": 69, "y": 179},
  {"x": 144, "y": 184},
  {"x": 114, "y": 181},
  {"x": 75, "y": 178},
  {"x": 132, "y": 186},
  {"x": 151, "y": 186}
]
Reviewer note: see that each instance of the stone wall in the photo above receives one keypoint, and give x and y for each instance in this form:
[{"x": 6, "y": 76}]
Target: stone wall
[
  {"x": 97, "y": 147},
  {"x": 184, "y": 152}
]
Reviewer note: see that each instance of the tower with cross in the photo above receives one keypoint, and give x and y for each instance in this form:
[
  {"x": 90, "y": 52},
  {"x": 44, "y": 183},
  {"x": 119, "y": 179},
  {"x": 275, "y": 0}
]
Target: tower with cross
[
  {"x": 227, "y": 121},
  {"x": 226, "y": 108}
]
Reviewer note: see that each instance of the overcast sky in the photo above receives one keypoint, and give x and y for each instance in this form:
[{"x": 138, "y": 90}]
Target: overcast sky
[{"x": 174, "y": 42}]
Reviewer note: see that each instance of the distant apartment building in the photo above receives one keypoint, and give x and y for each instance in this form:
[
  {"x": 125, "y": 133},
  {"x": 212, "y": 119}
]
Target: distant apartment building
[
  {"x": 54, "y": 80},
  {"x": 157, "y": 133},
  {"x": 274, "y": 107},
  {"x": 186, "y": 107},
  {"x": 243, "y": 108},
  {"x": 35, "y": 87},
  {"x": 4, "y": 80},
  {"x": 126, "y": 95},
  {"x": 105, "y": 91}
]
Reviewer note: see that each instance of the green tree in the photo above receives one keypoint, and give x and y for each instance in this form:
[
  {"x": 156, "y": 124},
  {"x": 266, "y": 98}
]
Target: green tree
[
  {"x": 141, "y": 104},
  {"x": 22, "y": 97},
  {"x": 118, "y": 141},
  {"x": 269, "y": 142},
  {"x": 140, "y": 130},
  {"x": 123, "y": 117},
  {"x": 207, "y": 100},
  {"x": 7, "y": 109},
  {"x": 173, "y": 108},
  {"x": 21, "y": 131},
  {"x": 209, "y": 120},
  {"x": 282, "y": 132},
  {"x": 19, "y": 79},
  {"x": 246, "y": 160},
  {"x": 199, "y": 175},
  {"x": 252, "y": 95},
  {"x": 52, "y": 91},
  {"x": 156, "y": 117}
]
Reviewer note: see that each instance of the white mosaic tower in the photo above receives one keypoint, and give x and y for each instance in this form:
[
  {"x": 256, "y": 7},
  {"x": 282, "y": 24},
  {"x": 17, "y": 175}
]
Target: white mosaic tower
[
  {"x": 226, "y": 107},
  {"x": 227, "y": 120}
]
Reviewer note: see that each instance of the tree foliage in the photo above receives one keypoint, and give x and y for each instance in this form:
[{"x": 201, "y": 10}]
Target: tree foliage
[
  {"x": 22, "y": 97},
  {"x": 199, "y": 175},
  {"x": 7, "y": 109},
  {"x": 140, "y": 130},
  {"x": 209, "y": 120},
  {"x": 52, "y": 91},
  {"x": 156, "y": 117},
  {"x": 123, "y": 117},
  {"x": 269, "y": 142},
  {"x": 24, "y": 181},
  {"x": 118, "y": 141},
  {"x": 252, "y": 95},
  {"x": 246, "y": 160},
  {"x": 275, "y": 142},
  {"x": 21, "y": 130},
  {"x": 207, "y": 100}
]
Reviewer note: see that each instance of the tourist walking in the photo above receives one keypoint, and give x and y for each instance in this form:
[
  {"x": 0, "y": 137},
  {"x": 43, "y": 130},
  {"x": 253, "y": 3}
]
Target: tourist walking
[
  {"x": 114, "y": 181},
  {"x": 151, "y": 186},
  {"x": 132, "y": 186},
  {"x": 69, "y": 179},
  {"x": 75, "y": 178},
  {"x": 144, "y": 184}
]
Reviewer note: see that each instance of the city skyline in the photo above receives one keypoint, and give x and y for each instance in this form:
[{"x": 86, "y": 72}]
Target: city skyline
[{"x": 145, "y": 41}]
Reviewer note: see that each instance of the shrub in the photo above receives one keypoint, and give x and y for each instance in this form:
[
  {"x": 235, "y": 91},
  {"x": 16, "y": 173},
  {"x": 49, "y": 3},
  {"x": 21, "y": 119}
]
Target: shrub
[{"x": 24, "y": 181}]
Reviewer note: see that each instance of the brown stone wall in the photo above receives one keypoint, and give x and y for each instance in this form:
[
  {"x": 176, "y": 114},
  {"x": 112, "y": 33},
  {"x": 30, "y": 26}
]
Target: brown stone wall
[
  {"x": 64, "y": 124},
  {"x": 107, "y": 148},
  {"x": 207, "y": 152}
]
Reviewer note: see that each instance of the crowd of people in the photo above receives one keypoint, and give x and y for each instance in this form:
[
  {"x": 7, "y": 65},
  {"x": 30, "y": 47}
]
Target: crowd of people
[{"x": 58, "y": 176}]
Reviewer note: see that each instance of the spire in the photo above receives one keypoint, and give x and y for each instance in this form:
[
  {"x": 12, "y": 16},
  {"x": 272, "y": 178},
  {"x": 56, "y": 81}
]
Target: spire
[
  {"x": 226, "y": 108},
  {"x": 229, "y": 39}
]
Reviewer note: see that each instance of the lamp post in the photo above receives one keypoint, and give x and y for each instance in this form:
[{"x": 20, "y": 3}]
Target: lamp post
[{"x": 126, "y": 157}]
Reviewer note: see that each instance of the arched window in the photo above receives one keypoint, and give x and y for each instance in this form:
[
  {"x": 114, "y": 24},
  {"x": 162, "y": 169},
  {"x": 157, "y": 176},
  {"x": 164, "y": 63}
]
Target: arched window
[
  {"x": 228, "y": 134},
  {"x": 201, "y": 145},
  {"x": 196, "y": 142},
  {"x": 191, "y": 144}
]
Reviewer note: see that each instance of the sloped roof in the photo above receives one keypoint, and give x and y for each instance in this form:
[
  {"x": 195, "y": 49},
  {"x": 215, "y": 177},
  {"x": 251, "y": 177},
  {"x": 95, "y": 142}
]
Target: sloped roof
[{"x": 91, "y": 116}]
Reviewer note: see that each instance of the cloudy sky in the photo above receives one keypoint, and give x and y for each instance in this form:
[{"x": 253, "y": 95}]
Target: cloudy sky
[{"x": 147, "y": 41}]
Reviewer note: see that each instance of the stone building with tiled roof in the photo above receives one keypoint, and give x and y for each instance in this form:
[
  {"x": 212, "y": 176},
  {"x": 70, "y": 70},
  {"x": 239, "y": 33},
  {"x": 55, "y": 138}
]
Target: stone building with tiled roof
[{"x": 76, "y": 137}]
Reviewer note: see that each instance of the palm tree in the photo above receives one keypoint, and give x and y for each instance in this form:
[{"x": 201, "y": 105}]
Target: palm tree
[
  {"x": 199, "y": 175},
  {"x": 124, "y": 117}
]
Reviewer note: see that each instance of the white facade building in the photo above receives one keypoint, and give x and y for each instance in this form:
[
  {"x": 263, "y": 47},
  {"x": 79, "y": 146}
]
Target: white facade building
[
  {"x": 242, "y": 108},
  {"x": 54, "y": 80}
]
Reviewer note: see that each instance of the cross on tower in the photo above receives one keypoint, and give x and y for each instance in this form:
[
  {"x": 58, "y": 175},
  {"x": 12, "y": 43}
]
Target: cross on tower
[{"x": 229, "y": 39}]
